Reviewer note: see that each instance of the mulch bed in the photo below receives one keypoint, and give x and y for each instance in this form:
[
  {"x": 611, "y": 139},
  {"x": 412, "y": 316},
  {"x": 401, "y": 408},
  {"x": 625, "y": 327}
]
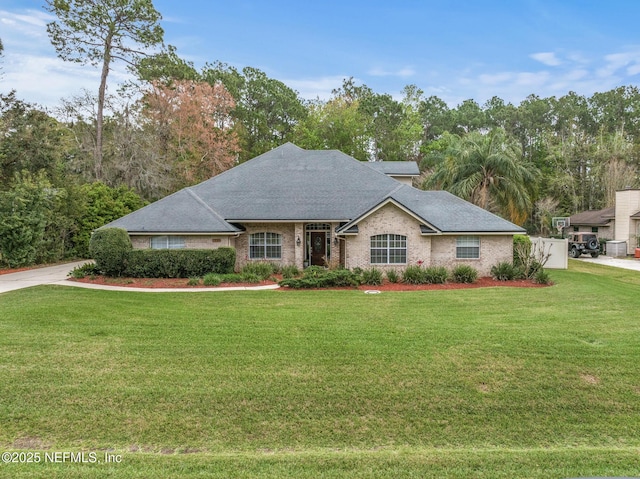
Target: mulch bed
[{"x": 386, "y": 286}]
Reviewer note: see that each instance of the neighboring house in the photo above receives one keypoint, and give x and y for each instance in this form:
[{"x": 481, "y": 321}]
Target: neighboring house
[
  {"x": 620, "y": 223},
  {"x": 600, "y": 222},
  {"x": 307, "y": 207}
]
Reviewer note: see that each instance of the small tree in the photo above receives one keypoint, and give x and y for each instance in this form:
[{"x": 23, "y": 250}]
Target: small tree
[{"x": 529, "y": 257}]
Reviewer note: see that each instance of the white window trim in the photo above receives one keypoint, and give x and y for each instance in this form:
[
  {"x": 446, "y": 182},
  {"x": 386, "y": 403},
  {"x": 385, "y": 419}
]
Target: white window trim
[
  {"x": 389, "y": 249},
  {"x": 167, "y": 242},
  {"x": 264, "y": 245},
  {"x": 471, "y": 243}
]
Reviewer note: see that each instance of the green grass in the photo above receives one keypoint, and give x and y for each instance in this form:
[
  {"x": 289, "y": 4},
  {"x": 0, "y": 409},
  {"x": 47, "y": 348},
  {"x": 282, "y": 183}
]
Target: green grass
[{"x": 499, "y": 382}]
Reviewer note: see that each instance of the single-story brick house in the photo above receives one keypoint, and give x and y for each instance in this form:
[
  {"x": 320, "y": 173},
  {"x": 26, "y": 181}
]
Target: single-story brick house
[{"x": 312, "y": 207}]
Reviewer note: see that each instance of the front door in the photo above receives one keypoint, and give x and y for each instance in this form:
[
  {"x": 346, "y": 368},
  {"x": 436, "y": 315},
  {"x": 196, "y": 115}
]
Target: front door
[{"x": 318, "y": 248}]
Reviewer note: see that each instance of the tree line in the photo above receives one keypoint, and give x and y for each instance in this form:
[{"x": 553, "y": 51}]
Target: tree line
[{"x": 95, "y": 157}]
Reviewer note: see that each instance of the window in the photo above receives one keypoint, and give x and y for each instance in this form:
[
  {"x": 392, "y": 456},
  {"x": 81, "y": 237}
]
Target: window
[
  {"x": 167, "y": 242},
  {"x": 467, "y": 247},
  {"x": 265, "y": 245},
  {"x": 594, "y": 229},
  {"x": 388, "y": 249}
]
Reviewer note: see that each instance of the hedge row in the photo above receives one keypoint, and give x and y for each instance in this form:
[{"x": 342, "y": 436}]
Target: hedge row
[
  {"x": 112, "y": 250},
  {"x": 179, "y": 263}
]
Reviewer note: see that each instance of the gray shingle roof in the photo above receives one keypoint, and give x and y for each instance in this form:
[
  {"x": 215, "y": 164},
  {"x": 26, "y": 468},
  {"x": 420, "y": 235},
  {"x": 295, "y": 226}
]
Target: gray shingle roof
[
  {"x": 451, "y": 214},
  {"x": 181, "y": 212},
  {"x": 593, "y": 217},
  {"x": 293, "y": 184},
  {"x": 395, "y": 168}
]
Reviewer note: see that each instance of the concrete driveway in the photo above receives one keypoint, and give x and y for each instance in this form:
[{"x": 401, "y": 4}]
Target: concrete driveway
[
  {"x": 58, "y": 275},
  {"x": 37, "y": 276},
  {"x": 626, "y": 263}
]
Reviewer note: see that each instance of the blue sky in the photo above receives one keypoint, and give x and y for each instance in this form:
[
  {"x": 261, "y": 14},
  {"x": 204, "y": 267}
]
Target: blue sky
[{"x": 456, "y": 50}]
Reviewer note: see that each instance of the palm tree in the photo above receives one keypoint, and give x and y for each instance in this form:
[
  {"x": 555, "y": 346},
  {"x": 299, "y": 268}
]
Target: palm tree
[{"x": 489, "y": 171}]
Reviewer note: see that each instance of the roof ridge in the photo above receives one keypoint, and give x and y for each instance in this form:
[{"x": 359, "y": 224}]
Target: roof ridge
[
  {"x": 251, "y": 160},
  {"x": 195, "y": 196}
]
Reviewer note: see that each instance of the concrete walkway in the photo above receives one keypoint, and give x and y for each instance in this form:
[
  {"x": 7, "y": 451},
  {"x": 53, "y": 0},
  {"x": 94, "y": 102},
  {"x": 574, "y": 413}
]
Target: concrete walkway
[
  {"x": 165, "y": 290},
  {"x": 58, "y": 275},
  {"x": 626, "y": 263}
]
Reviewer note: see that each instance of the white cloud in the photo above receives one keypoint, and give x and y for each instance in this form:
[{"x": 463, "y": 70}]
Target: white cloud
[
  {"x": 575, "y": 75},
  {"x": 532, "y": 79},
  {"x": 546, "y": 58},
  {"x": 495, "y": 79},
  {"x": 31, "y": 67},
  {"x": 629, "y": 62},
  {"x": 402, "y": 73},
  {"x": 25, "y": 31},
  {"x": 316, "y": 87}
]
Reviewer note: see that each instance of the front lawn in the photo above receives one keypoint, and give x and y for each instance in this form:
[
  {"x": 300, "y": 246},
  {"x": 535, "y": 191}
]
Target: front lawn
[{"x": 496, "y": 383}]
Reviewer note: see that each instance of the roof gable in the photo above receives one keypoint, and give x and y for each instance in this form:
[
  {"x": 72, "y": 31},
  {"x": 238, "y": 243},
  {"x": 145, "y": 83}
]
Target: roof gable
[
  {"x": 451, "y": 214},
  {"x": 441, "y": 212},
  {"x": 351, "y": 226}
]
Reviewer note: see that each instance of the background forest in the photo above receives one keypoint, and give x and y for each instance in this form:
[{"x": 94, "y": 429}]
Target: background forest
[{"x": 99, "y": 156}]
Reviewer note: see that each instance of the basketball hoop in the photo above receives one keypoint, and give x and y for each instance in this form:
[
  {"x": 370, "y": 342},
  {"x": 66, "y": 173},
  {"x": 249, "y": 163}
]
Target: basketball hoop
[{"x": 560, "y": 223}]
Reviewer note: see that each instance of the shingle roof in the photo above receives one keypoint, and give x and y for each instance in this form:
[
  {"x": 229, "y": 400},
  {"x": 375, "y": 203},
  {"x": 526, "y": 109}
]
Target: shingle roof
[
  {"x": 181, "y": 212},
  {"x": 451, "y": 214},
  {"x": 395, "y": 168},
  {"x": 293, "y": 184},
  {"x": 593, "y": 217}
]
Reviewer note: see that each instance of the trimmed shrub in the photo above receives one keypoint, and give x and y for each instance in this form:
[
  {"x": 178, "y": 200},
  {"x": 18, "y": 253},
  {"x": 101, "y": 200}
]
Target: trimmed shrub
[
  {"x": 179, "y": 263},
  {"x": 504, "y": 271},
  {"x": 413, "y": 275},
  {"x": 314, "y": 271},
  {"x": 261, "y": 269},
  {"x": 212, "y": 279},
  {"x": 542, "y": 277},
  {"x": 321, "y": 278},
  {"x": 193, "y": 282},
  {"x": 251, "y": 278},
  {"x": 87, "y": 269},
  {"x": 110, "y": 248},
  {"x": 290, "y": 271},
  {"x": 392, "y": 276},
  {"x": 436, "y": 275},
  {"x": 419, "y": 275},
  {"x": 464, "y": 273},
  {"x": 372, "y": 276}
]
